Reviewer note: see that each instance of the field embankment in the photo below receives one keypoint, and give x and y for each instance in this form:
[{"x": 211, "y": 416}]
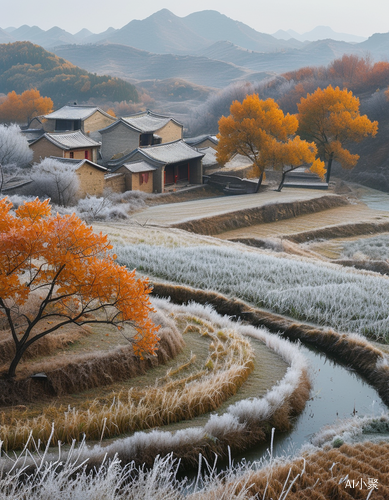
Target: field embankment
[{"x": 259, "y": 215}]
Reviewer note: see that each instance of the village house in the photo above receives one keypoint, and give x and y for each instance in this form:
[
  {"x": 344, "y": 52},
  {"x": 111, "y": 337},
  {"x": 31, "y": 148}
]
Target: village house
[
  {"x": 88, "y": 119},
  {"x": 202, "y": 141},
  {"x": 140, "y": 130},
  {"x": 74, "y": 145},
  {"x": 90, "y": 175},
  {"x": 160, "y": 165}
]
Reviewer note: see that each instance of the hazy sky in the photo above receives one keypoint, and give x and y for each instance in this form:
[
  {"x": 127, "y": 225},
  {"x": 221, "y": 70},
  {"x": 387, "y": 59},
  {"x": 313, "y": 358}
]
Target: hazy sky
[{"x": 358, "y": 17}]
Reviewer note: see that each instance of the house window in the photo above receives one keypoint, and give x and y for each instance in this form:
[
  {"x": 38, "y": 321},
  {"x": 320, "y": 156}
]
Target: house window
[
  {"x": 71, "y": 154},
  {"x": 63, "y": 125},
  {"x": 86, "y": 155},
  {"x": 144, "y": 178}
]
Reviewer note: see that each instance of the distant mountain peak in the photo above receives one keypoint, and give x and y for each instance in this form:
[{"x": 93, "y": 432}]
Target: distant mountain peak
[{"x": 319, "y": 33}]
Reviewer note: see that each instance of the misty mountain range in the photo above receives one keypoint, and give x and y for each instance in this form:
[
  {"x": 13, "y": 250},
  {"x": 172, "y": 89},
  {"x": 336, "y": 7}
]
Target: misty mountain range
[
  {"x": 164, "y": 32},
  {"x": 206, "y": 48}
]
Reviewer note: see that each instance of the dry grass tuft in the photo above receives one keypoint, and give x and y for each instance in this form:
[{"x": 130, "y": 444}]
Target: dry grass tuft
[
  {"x": 176, "y": 396},
  {"x": 323, "y": 474}
]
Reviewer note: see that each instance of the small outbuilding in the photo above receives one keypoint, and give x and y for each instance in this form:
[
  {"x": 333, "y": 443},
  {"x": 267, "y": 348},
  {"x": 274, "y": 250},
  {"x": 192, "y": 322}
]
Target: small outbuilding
[
  {"x": 91, "y": 176},
  {"x": 73, "y": 145},
  {"x": 174, "y": 162}
]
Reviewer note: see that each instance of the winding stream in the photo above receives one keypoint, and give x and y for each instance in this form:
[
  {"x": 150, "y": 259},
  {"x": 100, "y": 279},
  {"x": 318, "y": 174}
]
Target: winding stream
[{"x": 338, "y": 393}]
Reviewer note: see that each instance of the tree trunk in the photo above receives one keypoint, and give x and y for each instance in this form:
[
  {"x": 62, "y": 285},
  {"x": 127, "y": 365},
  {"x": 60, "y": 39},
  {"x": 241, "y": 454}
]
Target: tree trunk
[
  {"x": 18, "y": 356},
  {"x": 329, "y": 165},
  {"x": 281, "y": 185},
  {"x": 259, "y": 183}
]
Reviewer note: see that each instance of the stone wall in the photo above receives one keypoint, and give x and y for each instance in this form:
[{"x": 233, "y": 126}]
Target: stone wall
[
  {"x": 170, "y": 132},
  {"x": 91, "y": 180},
  {"x": 43, "y": 149}
]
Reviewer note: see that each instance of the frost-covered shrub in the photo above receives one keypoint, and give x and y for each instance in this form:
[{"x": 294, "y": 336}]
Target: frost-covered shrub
[
  {"x": 14, "y": 149},
  {"x": 100, "y": 209},
  {"x": 55, "y": 180},
  {"x": 325, "y": 295},
  {"x": 375, "y": 248}
]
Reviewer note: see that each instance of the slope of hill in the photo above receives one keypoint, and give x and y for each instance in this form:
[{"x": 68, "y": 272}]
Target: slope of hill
[
  {"x": 24, "y": 65},
  {"x": 312, "y": 54},
  {"x": 135, "y": 65},
  {"x": 5, "y": 37},
  {"x": 50, "y": 38},
  {"x": 161, "y": 33},
  {"x": 214, "y": 26},
  {"x": 318, "y": 33}
]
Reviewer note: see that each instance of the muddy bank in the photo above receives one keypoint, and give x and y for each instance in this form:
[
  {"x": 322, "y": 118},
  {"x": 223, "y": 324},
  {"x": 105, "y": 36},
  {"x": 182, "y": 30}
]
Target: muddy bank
[
  {"x": 356, "y": 352},
  {"x": 267, "y": 213}
]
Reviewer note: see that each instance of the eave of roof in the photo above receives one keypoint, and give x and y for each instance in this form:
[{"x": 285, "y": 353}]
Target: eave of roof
[
  {"x": 139, "y": 167},
  {"x": 79, "y": 163},
  {"x": 170, "y": 152},
  {"x": 75, "y": 113},
  {"x": 70, "y": 140}
]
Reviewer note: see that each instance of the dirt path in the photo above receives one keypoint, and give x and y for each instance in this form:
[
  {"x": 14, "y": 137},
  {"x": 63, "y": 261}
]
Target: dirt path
[{"x": 175, "y": 213}]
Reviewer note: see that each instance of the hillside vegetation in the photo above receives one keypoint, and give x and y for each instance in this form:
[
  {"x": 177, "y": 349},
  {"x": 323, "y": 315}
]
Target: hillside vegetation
[{"x": 24, "y": 65}]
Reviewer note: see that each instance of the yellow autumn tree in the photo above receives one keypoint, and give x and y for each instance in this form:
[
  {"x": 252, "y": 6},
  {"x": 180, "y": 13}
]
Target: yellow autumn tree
[
  {"x": 259, "y": 130},
  {"x": 56, "y": 268},
  {"x": 22, "y": 108},
  {"x": 331, "y": 119}
]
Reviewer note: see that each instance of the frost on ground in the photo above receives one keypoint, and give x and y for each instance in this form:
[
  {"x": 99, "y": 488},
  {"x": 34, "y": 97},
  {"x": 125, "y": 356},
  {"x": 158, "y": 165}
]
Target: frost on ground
[
  {"x": 375, "y": 248},
  {"x": 236, "y": 421},
  {"x": 110, "y": 207},
  {"x": 344, "y": 299}
]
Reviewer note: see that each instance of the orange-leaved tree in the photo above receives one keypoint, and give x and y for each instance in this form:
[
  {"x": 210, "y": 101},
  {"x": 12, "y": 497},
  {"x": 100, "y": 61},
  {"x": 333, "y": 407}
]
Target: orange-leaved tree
[
  {"x": 331, "y": 119},
  {"x": 55, "y": 268},
  {"x": 22, "y": 108},
  {"x": 259, "y": 130}
]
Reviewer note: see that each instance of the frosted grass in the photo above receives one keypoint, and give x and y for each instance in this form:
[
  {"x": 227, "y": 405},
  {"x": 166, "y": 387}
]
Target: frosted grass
[
  {"x": 65, "y": 474},
  {"x": 343, "y": 299},
  {"x": 375, "y": 248}
]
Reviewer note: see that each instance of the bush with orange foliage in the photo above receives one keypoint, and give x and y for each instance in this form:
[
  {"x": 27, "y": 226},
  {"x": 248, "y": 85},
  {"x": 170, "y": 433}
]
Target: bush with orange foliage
[
  {"x": 331, "y": 118},
  {"x": 22, "y": 108},
  {"x": 70, "y": 269},
  {"x": 259, "y": 130}
]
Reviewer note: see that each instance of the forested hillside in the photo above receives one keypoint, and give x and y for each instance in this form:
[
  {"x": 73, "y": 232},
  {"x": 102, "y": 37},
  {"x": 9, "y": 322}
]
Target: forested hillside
[
  {"x": 24, "y": 65},
  {"x": 367, "y": 80}
]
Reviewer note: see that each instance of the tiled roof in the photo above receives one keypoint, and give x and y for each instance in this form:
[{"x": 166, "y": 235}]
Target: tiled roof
[
  {"x": 32, "y": 134},
  {"x": 193, "y": 141},
  {"x": 145, "y": 122},
  {"x": 71, "y": 140},
  {"x": 74, "y": 113},
  {"x": 209, "y": 156},
  {"x": 76, "y": 164},
  {"x": 139, "y": 166},
  {"x": 170, "y": 152}
]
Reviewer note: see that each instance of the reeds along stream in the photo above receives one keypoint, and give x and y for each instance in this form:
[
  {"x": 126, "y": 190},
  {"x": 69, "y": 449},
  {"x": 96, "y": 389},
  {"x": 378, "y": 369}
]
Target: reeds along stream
[{"x": 337, "y": 393}]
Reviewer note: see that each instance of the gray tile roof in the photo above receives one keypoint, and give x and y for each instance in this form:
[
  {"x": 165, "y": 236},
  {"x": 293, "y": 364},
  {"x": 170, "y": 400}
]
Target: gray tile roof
[
  {"x": 209, "y": 156},
  {"x": 193, "y": 141},
  {"x": 77, "y": 163},
  {"x": 148, "y": 121},
  {"x": 71, "y": 140},
  {"x": 170, "y": 152},
  {"x": 74, "y": 113},
  {"x": 139, "y": 166}
]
